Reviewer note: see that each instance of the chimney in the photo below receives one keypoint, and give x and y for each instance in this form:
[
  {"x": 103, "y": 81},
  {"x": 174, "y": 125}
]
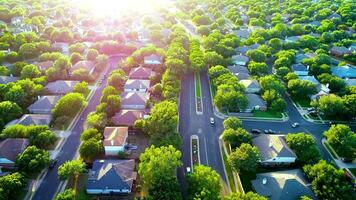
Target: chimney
[
  {"x": 264, "y": 181},
  {"x": 270, "y": 145}
]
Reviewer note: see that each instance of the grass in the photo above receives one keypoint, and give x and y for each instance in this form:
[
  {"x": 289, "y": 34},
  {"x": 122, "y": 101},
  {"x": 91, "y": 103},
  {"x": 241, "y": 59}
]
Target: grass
[
  {"x": 305, "y": 103},
  {"x": 197, "y": 85},
  {"x": 228, "y": 171},
  {"x": 353, "y": 171},
  {"x": 330, "y": 149},
  {"x": 267, "y": 114}
]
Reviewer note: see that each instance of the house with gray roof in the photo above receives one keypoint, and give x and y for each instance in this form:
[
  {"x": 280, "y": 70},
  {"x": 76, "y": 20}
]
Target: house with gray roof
[
  {"x": 311, "y": 79},
  {"x": 301, "y": 56},
  {"x": 44, "y": 105},
  {"x": 252, "y": 86},
  {"x": 300, "y": 69},
  {"x": 60, "y": 87},
  {"x": 152, "y": 59},
  {"x": 9, "y": 149},
  {"x": 238, "y": 69},
  {"x": 240, "y": 60},
  {"x": 32, "y": 119},
  {"x": 273, "y": 150},
  {"x": 137, "y": 85},
  {"x": 283, "y": 185},
  {"x": 140, "y": 73},
  {"x": 112, "y": 177},
  {"x": 243, "y": 33},
  {"x": 350, "y": 82},
  {"x": 255, "y": 102},
  {"x": 134, "y": 100},
  {"x": 345, "y": 71},
  {"x": 243, "y": 49},
  {"x": 8, "y": 79},
  {"x": 242, "y": 76},
  {"x": 340, "y": 51},
  {"x": 292, "y": 39}
]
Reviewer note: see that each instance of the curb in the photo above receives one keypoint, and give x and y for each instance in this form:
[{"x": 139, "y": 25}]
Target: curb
[{"x": 196, "y": 98}]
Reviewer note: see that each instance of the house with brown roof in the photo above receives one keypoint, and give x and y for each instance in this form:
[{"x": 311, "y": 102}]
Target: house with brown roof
[
  {"x": 273, "y": 150},
  {"x": 115, "y": 140},
  {"x": 9, "y": 149},
  {"x": 140, "y": 73},
  {"x": 60, "y": 87},
  {"x": 128, "y": 117},
  {"x": 137, "y": 85},
  {"x": 87, "y": 65},
  {"x": 134, "y": 100}
]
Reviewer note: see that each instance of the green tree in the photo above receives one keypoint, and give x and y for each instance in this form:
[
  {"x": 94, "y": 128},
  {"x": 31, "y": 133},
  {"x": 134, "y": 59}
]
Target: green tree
[
  {"x": 90, "y": 133},
  {"x": 68, "y": 105},
  {"x": 4, "y": 71},
  {"x": 75, "y": 57},
  {"x": 90, "y": 149},
  {"x": 97, "y": 120},
  {"x": 204, "y": 183},
  {"x": 11, "y": 184},
  {"x": 301, "y": 88},
  {"x": 327, "y": 182},
  {"x": 32, "y": 160},
  {"x": 71, "y": 169},
  {"x": 113, "y": 105},
  {"x": 92, "y": 54},
  {"x": 42, "y": 139},
  {"x": 165, "y": 160},
  {"x": 82, "y": 88},
  {"x": 278, "y": 105},
  {"x": 258, "y": 68},
  {"x": 244, "y": 158},
  {"x": 232, "y": 123},
  {"x": 28, "y": 51},
  {"x": 227, "y": 97},
  {"x": 330, "y": 105},
  {"x": 117, "y": 79},
  {"x": 236, "y": 137},
  {"x": 164, "y": 187},
  {"x": 8, "y": 112},
  {"x": 109, "y": 90},
  {"x": 213, "y": 59},
  {"x": 304, "y": 147},
  {"x": 271, "y": 82},
  {"x": 68, "y": 194},
  {"x": 256, "y": 55},
  {"x": 30, "y": 71},
  {"x": 342, "y": 139},
  {"x": 350, "y": 104},
  {"x": 247, "y": 196}
]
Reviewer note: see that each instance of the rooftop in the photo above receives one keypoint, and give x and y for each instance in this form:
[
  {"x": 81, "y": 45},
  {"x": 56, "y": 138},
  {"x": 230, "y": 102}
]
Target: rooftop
[
  {"x": 115, "y": 136},
  {"x": 11, "y": 147}
]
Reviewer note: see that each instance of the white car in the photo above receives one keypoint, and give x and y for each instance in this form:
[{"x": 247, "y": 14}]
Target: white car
[
  {"x": 212, "y": 120},
  {"x": 188, "y": 170},
  {"x": 295, "y": 125}
]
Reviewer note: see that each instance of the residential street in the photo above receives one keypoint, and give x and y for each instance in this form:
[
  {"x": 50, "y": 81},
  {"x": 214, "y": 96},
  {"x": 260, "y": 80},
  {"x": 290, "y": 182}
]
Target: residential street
[
  {"x": 50, "y": 183},
  {"x": 193, "y": 124}
]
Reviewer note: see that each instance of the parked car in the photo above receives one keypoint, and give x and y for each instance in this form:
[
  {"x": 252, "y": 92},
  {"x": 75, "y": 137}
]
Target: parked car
[
  {"x": 270, "y": 131},
  {"x": 255, "y": 131},
  {"x": 212, "y": 120},
  {"x": 310, "y": 109},
  {"x": 52, "y": 163},
  {"x": 295, "y": 125}
]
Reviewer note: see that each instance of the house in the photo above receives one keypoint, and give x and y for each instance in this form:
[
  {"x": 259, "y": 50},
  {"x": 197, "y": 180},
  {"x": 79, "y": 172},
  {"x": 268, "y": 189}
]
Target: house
[
  {"x": 243, "y": 33},
  {"x": 152, "y": 59},
  {"x": 345, "y": 71},
  {"x": 350, "y": 82},
  {"x": 242, "y": 76},
  {"x": 111, "y": 177},
  {"x": 17, "y": 21},
  {"x": 300, "y": 69},
  {"x": 334, "y": 16},
  {"x": 9, "y": 149},
  {"x": 43, "y": 66},
  {"x": 134, "y": 100},
  {"x": 292, "y": 39},
  {"x": 314, "y": 23},
  {"x": 60, "y": 87},
  {"x": 240, "y": 60},
  {"x": 84, "y": 64},
  {"x": 238, "y": 69},
  {"x": 324, "y": 90},
  {"x": 128, "y": 117},
  {"x": 243, "y": 49},
  {"x": 273, "y": 150},
  {"x": 255, "y": 102},
  {"x": 252, "y": 86},
  {"x": 8, "y": 79},
  {"x": 115, "y": 140},
  {"x": 300, "y": 57},
  {"x": 136, "y": 85},
  {"x": 143, "y": 35},
  {"x": 283, "y": 185},
  {"x": 62, "y": 47},
  {"x": 339, "y": 51},
  {"x": 311, "y": 79},
  {"x": 32, "y": 119},
  {"x": 140, "y": 73},
  {"x": 44, "y": 105}
]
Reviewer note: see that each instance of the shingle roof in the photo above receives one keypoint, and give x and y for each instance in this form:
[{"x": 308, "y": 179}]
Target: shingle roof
[
  {"x": 140, "y": 73},
  {"x": 44, "y": 104},
  {"x": 8, "y": 79},
  {"x": 127, "y": 117},
  {"x": 153, "y": 59},
  {"x": 255, "y": 100},
  {"x": 44, "y": 65},
  {"x": 137, "y": 84},
  {"x": 310, "y": 78},
  {"x": 282, "y": 185},
  {"x": 242, "y": 76},
  {"x": 60, "y": 86},
  {"x": 134, "y": 98},
  {"x": 250, "y": 84},
  {"x": 115, "y": 136},
  {"x": 299, "y": 67},
  {"x": 84, "y": 64},
  {"x": 272, "y": 146},
  {"x": 33, "y": 119},
  {"x": 238, "y": 69},
  {"x": 11, "y": 147},
  {"x": 344, "y": 71},
  {"x": 111, "y": 174}
]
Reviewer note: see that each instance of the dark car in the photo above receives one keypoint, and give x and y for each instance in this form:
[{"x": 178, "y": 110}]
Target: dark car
[
  {"x": 270, "y": 131},
  {"x": 52, "y": 163},
  {"x": 255, "y": 131}
]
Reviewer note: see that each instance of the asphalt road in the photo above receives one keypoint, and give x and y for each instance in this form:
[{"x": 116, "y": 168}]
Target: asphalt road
[
  {"x": 50, "y": 183},
  {"x": 193, "y": 124}
]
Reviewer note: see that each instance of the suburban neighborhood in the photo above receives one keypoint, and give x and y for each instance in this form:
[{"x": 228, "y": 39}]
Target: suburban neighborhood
[{"x": 178, "y": 99}]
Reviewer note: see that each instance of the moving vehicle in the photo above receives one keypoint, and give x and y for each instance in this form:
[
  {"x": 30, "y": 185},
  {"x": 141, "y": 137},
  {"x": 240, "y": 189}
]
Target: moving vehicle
[
  {"x": 188, "y": 170},
  {"x": 295, "y": 125},
  {"x": 270, "y": 131},
  {"x": 255, "y": 131},
  {"x": 52, "y": 163},
  {"x": 212, "y": 120}
]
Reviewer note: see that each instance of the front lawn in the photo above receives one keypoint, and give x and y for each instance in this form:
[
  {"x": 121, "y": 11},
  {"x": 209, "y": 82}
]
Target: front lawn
[
  {"x": 305, "y": 102},
  {"x": 228, "y": 171},
  {"x": 267, "y": 114},
  {"x": 353, "y": 171}
]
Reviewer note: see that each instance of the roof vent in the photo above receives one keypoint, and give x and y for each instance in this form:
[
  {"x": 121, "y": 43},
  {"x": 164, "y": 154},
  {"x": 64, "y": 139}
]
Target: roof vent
[
  {"x": 270, "y": 144},
  {"x": 264, "y": 181}
]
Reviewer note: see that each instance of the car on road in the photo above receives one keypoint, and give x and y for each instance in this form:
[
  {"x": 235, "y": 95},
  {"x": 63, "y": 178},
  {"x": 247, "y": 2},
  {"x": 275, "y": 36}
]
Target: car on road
[
  {"x": 100, "y": 81},
  {"x": 255, "y": 131},
  {"x": 212, "y": 120},
  {"x": 52, "y": 163},
  {"x": 188, "y": 170},
  {"x": 310, "y": 109},
  {"x": 295, "y": 125},
  {"x": 270, "y": 131}
]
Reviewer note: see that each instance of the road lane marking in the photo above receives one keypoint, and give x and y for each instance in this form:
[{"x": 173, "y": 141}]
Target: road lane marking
[{"x": 206, "y": 152}]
